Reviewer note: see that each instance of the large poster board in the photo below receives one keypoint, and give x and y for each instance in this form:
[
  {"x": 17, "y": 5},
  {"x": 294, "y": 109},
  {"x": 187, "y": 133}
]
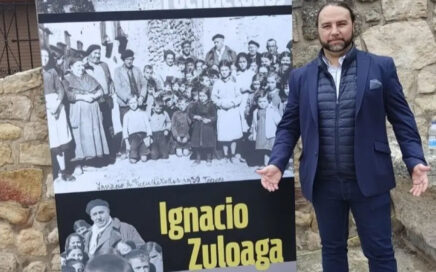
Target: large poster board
[{"x": 159, "y": 113}]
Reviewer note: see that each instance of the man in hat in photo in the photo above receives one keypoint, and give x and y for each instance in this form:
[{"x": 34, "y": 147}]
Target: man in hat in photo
[
  {"x": 219, "y": 52},
  {"x": 129, "y": 81},
  {"x": 107, "y": 231},
  {"x": 99, "y": 70},
  {"x": 253, "y": 54}
]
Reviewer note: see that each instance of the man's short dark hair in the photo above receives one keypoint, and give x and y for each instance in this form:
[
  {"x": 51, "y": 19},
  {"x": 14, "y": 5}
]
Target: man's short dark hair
[
  {"x": 185, "y": 42},
  {"x": 337, "y": 4},
  {"x": 169, "y": 52}
]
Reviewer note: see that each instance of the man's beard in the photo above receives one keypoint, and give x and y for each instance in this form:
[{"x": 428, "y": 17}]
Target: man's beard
[{"x": 338, "y": 47}]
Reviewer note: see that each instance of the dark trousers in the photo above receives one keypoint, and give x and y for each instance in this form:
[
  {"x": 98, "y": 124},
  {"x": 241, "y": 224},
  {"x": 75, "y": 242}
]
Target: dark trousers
[
  {"x": 137, "y": 146},
  {"x": 332, "y": 201},
  {"x": 160, "y": 147}
]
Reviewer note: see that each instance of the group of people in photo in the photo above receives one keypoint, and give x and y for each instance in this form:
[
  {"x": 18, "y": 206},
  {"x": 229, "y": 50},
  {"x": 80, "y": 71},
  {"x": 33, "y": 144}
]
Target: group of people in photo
[
  {"x": 224, "y": 106},
  {"x": 110, "y": 239}
]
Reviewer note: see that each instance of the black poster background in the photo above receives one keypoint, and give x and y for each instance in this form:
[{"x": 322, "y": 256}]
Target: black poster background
[{"x": 271, "y": 215}]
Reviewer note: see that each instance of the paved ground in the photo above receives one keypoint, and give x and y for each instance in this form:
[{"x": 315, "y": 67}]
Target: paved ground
[{"x": 408, "y": 259}]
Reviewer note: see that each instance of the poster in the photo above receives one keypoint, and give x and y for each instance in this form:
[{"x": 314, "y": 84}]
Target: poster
[{"x": 159, "y": 113}]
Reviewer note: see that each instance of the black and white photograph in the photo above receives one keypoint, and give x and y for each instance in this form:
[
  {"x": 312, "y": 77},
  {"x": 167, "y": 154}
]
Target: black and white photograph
[
  {"x": 77, "y": 6},
  {"x": 147, "y": 103},
  {"x": 102, "y": 242}
]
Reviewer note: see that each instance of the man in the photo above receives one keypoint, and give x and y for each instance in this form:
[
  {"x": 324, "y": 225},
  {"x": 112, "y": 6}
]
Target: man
[
  {"x": 168, "y": 70},
  {"x": 106, "y": 231},
  {"x": 186, "y": 52},
  {"x": 100, "y": 71},
  {"x": 219, "y": 52},
  {"x": 338, "y": 104},
  {"x": 138, "y": 260},
  {"x": 253, "y": 55},
  {"x": 272, "y": 48}
]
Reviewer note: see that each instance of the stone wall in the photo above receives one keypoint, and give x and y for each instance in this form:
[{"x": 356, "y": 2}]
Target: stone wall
[
  {"x": 403, "y": 29},
  {"x": 28, "y": 232}
]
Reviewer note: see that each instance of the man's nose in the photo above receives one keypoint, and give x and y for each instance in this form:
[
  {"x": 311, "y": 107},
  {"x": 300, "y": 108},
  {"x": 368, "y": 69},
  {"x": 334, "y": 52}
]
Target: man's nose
[{"x": 335, "y": 30}]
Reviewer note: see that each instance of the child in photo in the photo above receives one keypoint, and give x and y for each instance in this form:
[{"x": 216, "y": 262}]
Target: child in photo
[
  {"x": 160, "y": 126},
  {"x": 182, "y": 87},
  {"x": 81, "y": 227},
  {"x": 188, "y": 90},
  {"x": 244, "y": 78},
  {"x": 213, "y": 75},
  {"x": 203, "y": 115},
  {"x": 227, "y": 98},
  {"x": 78, "y": 266},
  {"x": 256, "y": 87},
  {"x": 272, "y": 82},
  {"x": 205, "y": 81},
  {"x": 175, "y": 85},
  {"x": 170, "y": 105},
  {"x": 263, "y": 128},
  {"x": 189, "y": 66},
  {"x": 284, "y": 93},
  {"x": 180, "y": 125},
  {"x": 266, "y": 59},
  {"x": 199, "y": 67},
  {"x": 137, "y": 132}
]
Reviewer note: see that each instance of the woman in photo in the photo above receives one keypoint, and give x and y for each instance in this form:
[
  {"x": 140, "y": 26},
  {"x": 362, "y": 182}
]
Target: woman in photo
[
  {"x": 83, "y": 92},
  {"x": 227, "y": 98},
  {"x": 59, "y": 131}
]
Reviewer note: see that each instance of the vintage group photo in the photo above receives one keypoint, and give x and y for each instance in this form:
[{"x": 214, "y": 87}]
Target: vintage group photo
[{"x": 163, "y": 102}]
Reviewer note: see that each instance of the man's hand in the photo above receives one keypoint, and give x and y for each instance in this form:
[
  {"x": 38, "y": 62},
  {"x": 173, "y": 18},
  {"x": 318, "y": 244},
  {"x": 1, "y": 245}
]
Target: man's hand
[
  {"x": 419, "y": 179},
  {"x": 270, "y": 177}
]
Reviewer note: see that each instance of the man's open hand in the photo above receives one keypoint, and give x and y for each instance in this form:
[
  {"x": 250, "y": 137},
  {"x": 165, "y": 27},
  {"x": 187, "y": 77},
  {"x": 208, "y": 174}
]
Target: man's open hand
[
  {"x": 419, "y": 179},
  {"x": 270, "y": 177}
]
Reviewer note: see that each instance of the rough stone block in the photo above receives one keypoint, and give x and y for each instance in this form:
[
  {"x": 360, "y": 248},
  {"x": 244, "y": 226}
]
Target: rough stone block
[
  {"x": 35, "y": 131},
  {"x": 6, "y": 235},
  {"x": 56, "y": 263},
  {"x": 372, "y": 17},
  {"x": 31, "y": 242},
  {"x": 5, "y": 154},
  {"x": 36, "y": 267},
  {"x": 38, "y": 154},
  {"x": 49, "y": 186},
  {"x": 14, "y": 107},
  {"x": 46, "y": 211},
  {"x": 8, "y": 262},
  {"x": 9, "y": 132},
  {"x": 427, "y": 80},
  {"x": 23, "y": 186},
  {"x": 13, "y": 212},
  {"x": 407, "y": 78},
  {"x": 425, "y": 104},
  {"x": 395, "y": 10},
  {"x": 22, "y": 81},
  {"x": 411, "y": 44},
  {"x": 417, "y": 215},
  {"x": 302, "y": 219},
  {"x": 53, "y": 236}
]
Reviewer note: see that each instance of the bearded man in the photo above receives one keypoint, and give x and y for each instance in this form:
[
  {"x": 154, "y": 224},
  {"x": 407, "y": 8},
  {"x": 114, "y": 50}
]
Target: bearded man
[{"x": 338, "y": 103}]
